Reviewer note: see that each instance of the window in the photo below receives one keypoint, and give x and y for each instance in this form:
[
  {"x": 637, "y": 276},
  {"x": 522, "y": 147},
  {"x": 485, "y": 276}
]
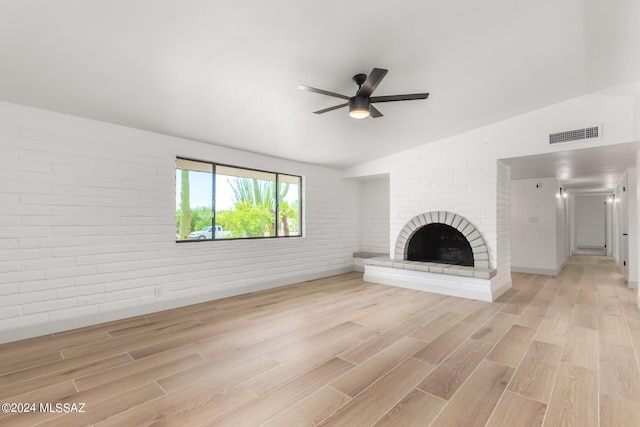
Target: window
[
  {"x": 217, "y": 202},
  {"x": 194, "y": 200},
  {"x": 289, "y": 190}
]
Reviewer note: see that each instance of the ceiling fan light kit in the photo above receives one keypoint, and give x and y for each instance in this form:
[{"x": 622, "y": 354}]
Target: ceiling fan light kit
[{"x": 360, "y": 105}]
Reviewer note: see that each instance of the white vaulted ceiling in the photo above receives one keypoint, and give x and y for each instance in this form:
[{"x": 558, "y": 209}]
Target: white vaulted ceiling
[{"x": 226, "y": 72}]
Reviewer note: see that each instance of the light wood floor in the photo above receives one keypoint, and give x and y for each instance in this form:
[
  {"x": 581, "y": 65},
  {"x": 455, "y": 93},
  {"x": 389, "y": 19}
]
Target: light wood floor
[{"x": 339, "y": 351}]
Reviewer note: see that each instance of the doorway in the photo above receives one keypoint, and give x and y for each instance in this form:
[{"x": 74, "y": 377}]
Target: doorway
[{"x": 590, "y": 225}]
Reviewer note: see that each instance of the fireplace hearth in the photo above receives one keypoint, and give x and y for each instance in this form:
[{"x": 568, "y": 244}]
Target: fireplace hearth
[{"x": 439, "y": 252}]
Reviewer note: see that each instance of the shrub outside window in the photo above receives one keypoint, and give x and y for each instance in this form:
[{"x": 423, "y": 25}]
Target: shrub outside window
[{"x": 220, "y": 202}]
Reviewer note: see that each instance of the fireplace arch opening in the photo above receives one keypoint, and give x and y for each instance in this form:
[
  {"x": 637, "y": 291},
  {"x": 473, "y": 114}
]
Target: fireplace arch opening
[
  {"x": 471, "y": 233},
  {"x": 440, "y": 243}
]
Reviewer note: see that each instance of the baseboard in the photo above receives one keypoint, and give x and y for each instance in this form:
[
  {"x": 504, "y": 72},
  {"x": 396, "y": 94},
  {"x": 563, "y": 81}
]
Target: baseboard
[
  {"x": 358, "y": 265},
  {"x": 497, "y": 291},
  {"x": 36, "y": 330},
  {"x": 542, "y": 271},
  {"x": 561, "y": 266}
]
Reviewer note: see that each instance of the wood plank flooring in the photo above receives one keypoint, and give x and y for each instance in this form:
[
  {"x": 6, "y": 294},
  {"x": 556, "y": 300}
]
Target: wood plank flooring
[{"x": 552, "y": 351}]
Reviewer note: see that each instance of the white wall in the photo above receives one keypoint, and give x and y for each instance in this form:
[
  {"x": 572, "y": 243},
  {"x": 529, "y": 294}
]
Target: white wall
[
  {"x": 374, "y": 215},
  {"x": 620, "y": 242},
  {"x": 632, "y": 227},
  {"x": 562, "y": 229},
  {"x": 534, "y": 231},
  {"x": 636, "y": 118},
  {"x": 528, "y": 134},
  {"x": 571, "y": 206},
  {"x": 609, "y": 226},
  {"x": 503, "y": 216},
  {"x": 87, "y": 225},
  {"x": 625, "y": 219},
  {"x": 590, "y": 221},
  {"x": 637, "y": 221}
]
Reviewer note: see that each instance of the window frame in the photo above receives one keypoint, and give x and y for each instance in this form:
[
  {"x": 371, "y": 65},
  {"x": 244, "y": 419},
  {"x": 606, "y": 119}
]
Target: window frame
[{"x": 213, "y": 202}]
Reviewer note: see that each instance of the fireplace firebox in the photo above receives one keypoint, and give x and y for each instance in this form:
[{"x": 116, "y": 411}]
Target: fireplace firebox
[
  {"x": 440, "y": 243},
  {"x": 452, "y": 250}
]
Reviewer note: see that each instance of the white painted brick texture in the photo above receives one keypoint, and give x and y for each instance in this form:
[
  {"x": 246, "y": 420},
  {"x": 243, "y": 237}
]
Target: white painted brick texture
[
  {"x": 87, "y": 214},
  {"x": 374, "y": 215},
  {"x": 503, "y": 264},
  {"x": 456, "y": 175}
]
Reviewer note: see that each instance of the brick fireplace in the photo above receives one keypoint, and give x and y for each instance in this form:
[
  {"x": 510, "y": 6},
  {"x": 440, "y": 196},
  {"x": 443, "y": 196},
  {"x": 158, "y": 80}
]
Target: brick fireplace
[
  {"x": 439, "y": 252},
  {"x": 463, "y": 228}
]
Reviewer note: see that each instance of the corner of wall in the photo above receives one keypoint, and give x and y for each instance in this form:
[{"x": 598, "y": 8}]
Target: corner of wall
[{"x": 503, "y": 218}]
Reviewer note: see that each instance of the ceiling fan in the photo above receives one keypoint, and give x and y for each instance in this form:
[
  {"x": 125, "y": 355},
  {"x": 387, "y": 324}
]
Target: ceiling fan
[{"x": 360, "y": 105}]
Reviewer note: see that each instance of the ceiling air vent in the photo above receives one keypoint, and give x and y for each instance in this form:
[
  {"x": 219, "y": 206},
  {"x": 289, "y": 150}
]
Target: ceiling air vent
[{"x": 575, "y": 135}]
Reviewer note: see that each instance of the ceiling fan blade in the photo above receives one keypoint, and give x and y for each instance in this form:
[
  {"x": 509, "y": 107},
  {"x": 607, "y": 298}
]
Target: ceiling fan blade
[
  {"x": 335, "y": 107},
  {"x": 374, "y": 112},
  {"x": 322, "y": 92},
  {"x": 373, "y": 80},
  {"x": 392, "y": 98}
]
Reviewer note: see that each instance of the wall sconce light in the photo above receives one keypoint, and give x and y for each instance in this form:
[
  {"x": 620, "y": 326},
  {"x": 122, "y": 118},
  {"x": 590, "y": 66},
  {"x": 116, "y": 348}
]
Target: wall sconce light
[{"x": 563, "y": 193}]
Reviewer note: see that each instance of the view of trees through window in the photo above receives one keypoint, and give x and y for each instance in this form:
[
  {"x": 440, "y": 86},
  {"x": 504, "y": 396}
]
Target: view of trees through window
[{"x": 248, "y": 203}]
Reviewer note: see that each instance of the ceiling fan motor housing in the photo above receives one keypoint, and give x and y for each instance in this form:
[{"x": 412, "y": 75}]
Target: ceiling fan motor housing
[
  {"x": 359, "y": 107},
  {"x": 358, "y": 103}
]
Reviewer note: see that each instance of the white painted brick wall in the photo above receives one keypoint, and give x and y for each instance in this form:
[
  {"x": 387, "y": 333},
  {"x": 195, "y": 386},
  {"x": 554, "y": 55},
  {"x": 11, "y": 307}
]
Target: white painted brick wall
[
  {"x": 87, "y": 222},
  {"x": 374, "y": 215},
  {"x": 457, "y": 175},
  {"x": 503, "y": 232}
]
